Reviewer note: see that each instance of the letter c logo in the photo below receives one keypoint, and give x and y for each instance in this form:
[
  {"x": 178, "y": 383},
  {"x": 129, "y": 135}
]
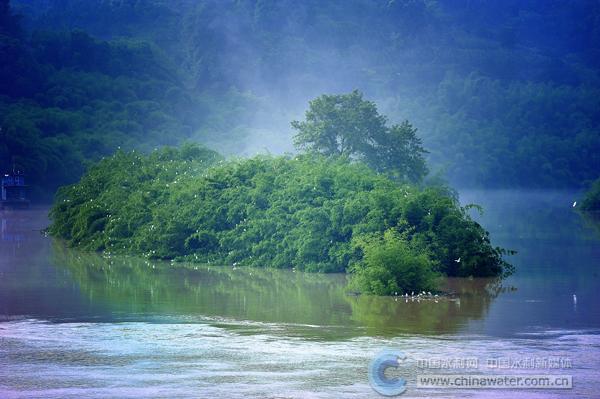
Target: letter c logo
[{"x": 382, "y": 384}]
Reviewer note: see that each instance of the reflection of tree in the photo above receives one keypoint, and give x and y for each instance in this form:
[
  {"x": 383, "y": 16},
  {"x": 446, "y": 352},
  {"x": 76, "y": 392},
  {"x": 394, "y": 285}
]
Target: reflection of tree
[
  {"x": 470, "y": 300},
  {"x": 137, "y": 286}
]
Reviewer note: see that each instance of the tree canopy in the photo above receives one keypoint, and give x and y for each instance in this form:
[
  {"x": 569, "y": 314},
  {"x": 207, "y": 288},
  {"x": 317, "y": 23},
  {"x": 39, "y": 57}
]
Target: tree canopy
[{"x": 346, "y": 125}]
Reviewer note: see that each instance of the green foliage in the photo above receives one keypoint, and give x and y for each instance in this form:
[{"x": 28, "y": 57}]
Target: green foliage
[
  {"x": 348, "y": 126},
  {"x": 390, "y": 266},
  {"x": 116, "y": 197},
  {"x": 591, "y": 201},
  {"x": 307, "y": 212}
]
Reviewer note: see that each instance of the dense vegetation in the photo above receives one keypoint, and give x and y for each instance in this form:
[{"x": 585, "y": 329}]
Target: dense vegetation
[
  {"x": 503, "y": 93},
  {"x": 306, "y": 212},
  {"x": 591, "y": 201}
]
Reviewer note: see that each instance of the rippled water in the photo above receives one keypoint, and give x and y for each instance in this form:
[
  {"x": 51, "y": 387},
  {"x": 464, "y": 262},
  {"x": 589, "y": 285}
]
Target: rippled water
[{"x": 85, "y": 325}]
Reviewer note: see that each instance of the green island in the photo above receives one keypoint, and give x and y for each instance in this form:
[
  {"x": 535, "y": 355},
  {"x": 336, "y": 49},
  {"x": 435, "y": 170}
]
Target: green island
[
  {"x": 591, "y": 200},
  {"x": 352, "y": 200}
]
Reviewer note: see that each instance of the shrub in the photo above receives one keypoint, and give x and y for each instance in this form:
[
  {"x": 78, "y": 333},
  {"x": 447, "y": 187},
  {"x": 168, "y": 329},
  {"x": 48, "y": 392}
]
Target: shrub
[{"x": 390, "y": 266}]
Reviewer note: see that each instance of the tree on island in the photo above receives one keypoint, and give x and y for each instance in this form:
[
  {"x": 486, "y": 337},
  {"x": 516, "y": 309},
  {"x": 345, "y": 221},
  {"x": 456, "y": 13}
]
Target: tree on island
[
  {"x": 319, "y": 211},
  {"x": 346, "y": 125}
]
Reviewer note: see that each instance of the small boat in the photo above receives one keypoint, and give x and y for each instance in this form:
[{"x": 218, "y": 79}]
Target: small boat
[{"x": 13, "y": 191}]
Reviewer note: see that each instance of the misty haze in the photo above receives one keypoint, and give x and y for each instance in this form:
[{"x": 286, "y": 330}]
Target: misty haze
[{"x": 299, "y": 199}]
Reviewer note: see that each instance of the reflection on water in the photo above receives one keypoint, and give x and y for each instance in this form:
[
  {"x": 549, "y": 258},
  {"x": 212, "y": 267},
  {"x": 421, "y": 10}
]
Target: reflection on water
[
  {"x": 392, "y": 315},
  {"x": 10, "y": 228},
  {"x": 76, "y": 324},
  {"x": 130, "y": 287},
  {"x": 44, "y": 279}
]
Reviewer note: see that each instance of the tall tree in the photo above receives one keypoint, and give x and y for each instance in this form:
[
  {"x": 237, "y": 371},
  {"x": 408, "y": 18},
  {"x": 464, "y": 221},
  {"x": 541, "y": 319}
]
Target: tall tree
[{"x": 347, "y": 125}]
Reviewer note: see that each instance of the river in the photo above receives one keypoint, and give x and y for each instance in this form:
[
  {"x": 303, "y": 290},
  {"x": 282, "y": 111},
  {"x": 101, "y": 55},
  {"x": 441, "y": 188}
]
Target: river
[{"x": 75, "y": 324}]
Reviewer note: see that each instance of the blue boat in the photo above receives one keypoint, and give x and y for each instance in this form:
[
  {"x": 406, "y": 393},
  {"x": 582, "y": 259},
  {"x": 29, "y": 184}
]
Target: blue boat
[{"x": 13, "y": 191}]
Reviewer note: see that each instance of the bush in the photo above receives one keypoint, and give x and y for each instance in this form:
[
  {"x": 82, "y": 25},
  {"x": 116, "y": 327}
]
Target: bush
[{"x": 390, "y": 266}]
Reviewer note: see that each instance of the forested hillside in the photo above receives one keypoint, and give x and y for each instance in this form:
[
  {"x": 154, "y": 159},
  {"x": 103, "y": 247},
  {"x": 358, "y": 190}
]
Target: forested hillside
[
  {"x": 67, "y": 99},
  {"x": 503, "y": 94}
]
